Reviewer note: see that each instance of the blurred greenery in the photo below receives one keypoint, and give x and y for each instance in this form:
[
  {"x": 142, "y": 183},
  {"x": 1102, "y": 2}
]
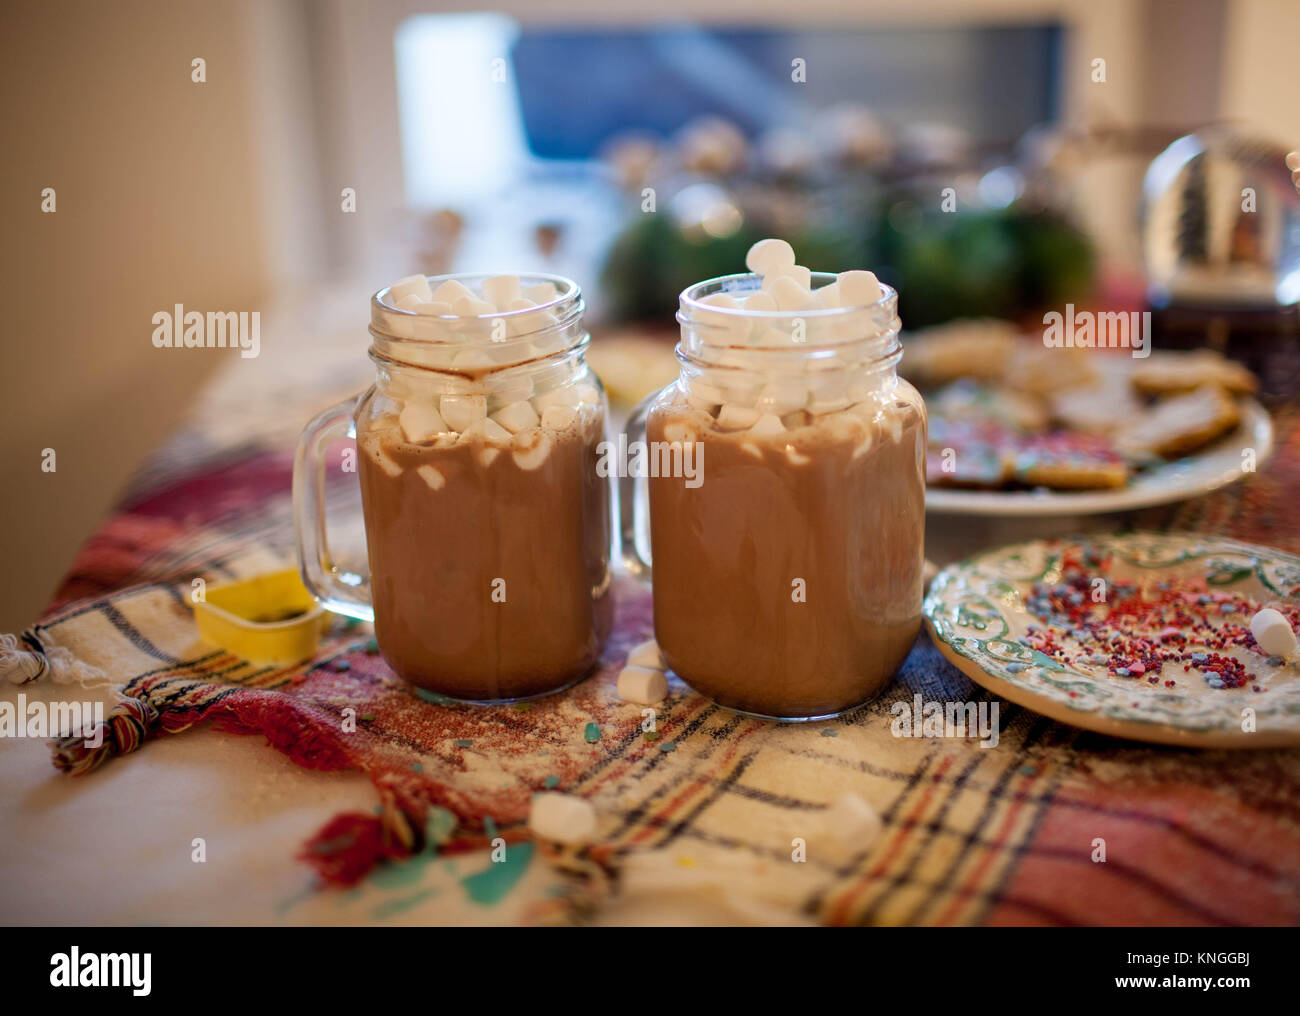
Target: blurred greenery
[{"x": 1000, "y": 262}]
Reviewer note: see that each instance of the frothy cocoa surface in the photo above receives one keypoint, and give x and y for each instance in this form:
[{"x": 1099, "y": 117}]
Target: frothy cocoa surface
[
  {"x": 839, "y": 503},
  {"x": 445, "y": 521}
]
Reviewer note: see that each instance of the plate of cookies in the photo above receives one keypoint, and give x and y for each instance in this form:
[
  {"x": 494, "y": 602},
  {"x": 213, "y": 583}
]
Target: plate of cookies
[
  {"x": 1017, "y": 428},
  {"x": 1170, "y": 638}
]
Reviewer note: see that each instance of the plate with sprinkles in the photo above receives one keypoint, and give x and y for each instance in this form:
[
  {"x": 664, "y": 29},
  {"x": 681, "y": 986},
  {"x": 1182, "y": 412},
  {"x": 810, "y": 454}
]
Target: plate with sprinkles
[{"x": 1138, "y": 635}]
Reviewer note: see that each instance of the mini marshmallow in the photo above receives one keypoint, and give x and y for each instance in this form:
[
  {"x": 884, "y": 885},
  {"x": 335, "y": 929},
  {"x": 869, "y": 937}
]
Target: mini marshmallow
[
  {"x": 853, "y": 822},
  {"x": 559, "y": 417},
  {"x": 767, "y": 255},
  {"x": 796, "y": 457},
  {"x": 531, "y": 448},
  {"x": 509, "y": 386},
  {"x": 752, "y": 449},
  {"x": 788, "y": 294},
  {"x": 432, "y": 477},
  {"x": 767, "y": 425},
  {"x": 375, "y": 449},
  {"x": 472, "y": 306},
  {"x": 420, "y": 422},
  {"x": 434, "y": 308},
  {"x": 564, "y": 395},
  {"x": 760, "y": 300},
  {"x": 1273, "y": 632},
  {"x": 589, "y": 394},
  {"x": 828, "y": 295},
  {"x": 565, "y": 818},
  {"x": 411, "y": 303},
  {"x": 413, "y": 285},
  {"x": 543, "y": 292},
  {"x": 501, "y": 290},
  {"x": 643, "y": 685},
  {"x": 472, "y": 359},
  {"x": 460, "y": 411},
  {"x": 517, "y": 416},
  {"x": 487, "y": 454},
  {"x": 858, "y": 288},
  {"x": 451, "y": 291},
  {"x": 647, "y": 654},
  {"x": 733, "y": 417},
  {"x": 496, "y": 433},
  {"x": 780, "y": 396},
  {"x": 798, "y": 273}
]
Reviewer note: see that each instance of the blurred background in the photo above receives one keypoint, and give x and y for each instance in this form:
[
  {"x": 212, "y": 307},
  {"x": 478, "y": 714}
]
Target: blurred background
[{"x": 334, "y": 146}]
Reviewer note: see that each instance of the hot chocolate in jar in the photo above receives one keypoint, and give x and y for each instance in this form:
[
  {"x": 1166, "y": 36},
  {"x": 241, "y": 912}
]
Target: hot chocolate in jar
[
  {"x": 787, "y": 561},
  {"x": 487, "y": 526}
]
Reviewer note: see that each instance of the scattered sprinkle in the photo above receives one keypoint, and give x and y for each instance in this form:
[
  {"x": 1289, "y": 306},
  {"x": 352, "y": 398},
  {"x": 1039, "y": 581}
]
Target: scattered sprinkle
[
  {"x": 342, "y": 665},
  {"x": 668, "y": 746},
  {"x": 592, "y": 733},
  {"x": 372, "y": 647},
  {"x": 552, "y": 782},
  {"x": 463, "y": 742},
  {"x": 830, "y": 732}
]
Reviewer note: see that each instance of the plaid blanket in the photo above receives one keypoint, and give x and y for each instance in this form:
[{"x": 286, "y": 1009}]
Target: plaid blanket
[{"x": 716, "y": 804}]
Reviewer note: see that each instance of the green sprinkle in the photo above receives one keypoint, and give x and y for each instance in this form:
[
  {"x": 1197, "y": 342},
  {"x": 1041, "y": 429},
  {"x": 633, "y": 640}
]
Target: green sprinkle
[
  {"x": 668, "y": 746},
  {"x": 433, "y": 696},
  {"x": 551, "y": 782},
  {"x": 523, "y": 707},
  {"x": 342, "y": 665},
  {"x": 490, "y": 826},
  {"x": 463, "y": 742},
  {"x": 350, "y": 622},
  {"x": 372, "y": 647},
  {"x": 592, "y": 733},
  {"x": 830, "y": 732},
  {"x": 367, "y": 717},
  {"x": 417, "y": 767},
  {"x": 651, "y": 735}
]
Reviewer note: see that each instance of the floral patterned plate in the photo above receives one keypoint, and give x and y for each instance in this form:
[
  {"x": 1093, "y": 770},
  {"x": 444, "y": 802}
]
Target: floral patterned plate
[{"x": 1139, "y": 635}]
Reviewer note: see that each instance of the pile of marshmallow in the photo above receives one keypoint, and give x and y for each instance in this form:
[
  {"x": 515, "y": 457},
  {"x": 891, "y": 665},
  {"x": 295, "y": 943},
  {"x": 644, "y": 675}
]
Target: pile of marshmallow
[
  {"x": 751, "y": 393},
  {"x": 459, "y": 328},
  {"x": 500, "y": 410}
]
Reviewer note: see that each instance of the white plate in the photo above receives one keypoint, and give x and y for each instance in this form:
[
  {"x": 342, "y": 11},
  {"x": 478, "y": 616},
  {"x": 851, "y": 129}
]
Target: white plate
[{"x": 1191, "y": 476}]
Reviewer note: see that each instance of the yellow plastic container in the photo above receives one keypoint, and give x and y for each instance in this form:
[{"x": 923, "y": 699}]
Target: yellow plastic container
[{"x": 271, "y": 619}]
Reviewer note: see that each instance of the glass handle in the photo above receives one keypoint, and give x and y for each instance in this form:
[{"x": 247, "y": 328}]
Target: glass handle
[
  {"x": 340, "y": 591},
  {"x": 634, "y": 499}
]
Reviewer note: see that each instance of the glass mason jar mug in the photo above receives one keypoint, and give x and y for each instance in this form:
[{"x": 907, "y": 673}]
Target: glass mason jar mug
[
  {"x": 788, "y": 562},
  {"x": 487, "y": 527}
]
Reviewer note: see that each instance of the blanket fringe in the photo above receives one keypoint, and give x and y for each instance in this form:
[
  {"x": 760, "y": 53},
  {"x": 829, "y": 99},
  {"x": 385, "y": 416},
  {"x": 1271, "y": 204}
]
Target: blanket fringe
[{"x": 126, "y": 727}]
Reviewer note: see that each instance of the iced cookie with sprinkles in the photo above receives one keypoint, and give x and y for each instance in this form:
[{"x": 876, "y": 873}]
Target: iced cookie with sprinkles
[{"x": 1147, "y": 636}]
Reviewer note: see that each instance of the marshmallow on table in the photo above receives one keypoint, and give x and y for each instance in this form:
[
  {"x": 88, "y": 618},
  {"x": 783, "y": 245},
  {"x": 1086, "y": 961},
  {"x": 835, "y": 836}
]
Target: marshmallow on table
[
  {"x": 460, "y": 411},
  {"x": 420, "y": 422},
  {"x": 562, "y": 817},
  {"x": 647, "y": 654},
  {"x": 517, "y": 416},
  {"x": 852, "y": 822},
  {"x": 413, "y": 285},
  {"x": 769, "y": 255},
  {"x": 1273, "y": 632},
  {"x": 643, "y": 685}
]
